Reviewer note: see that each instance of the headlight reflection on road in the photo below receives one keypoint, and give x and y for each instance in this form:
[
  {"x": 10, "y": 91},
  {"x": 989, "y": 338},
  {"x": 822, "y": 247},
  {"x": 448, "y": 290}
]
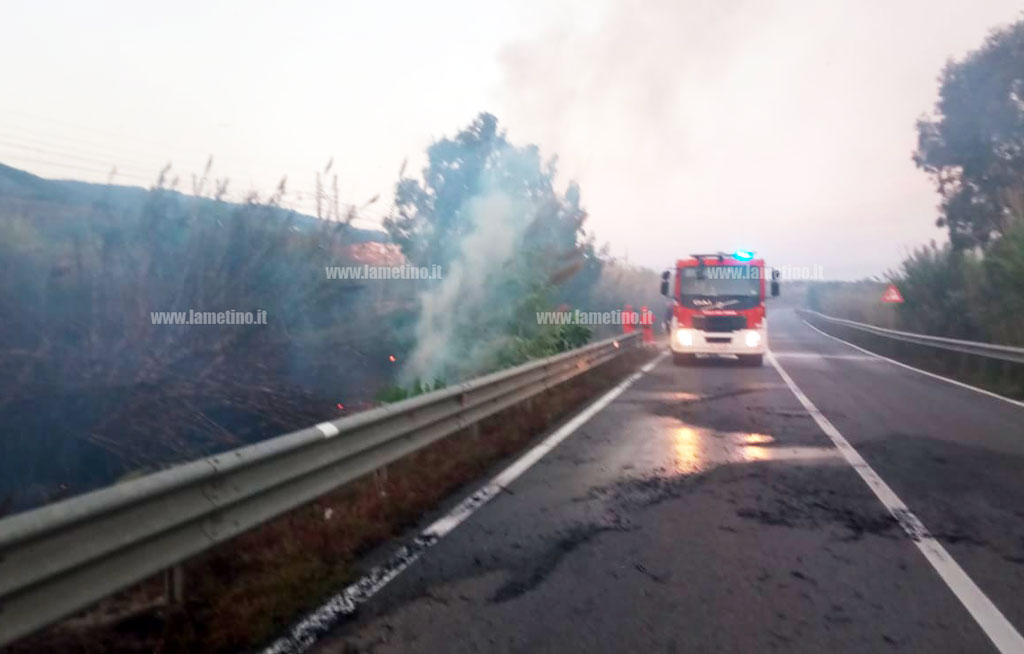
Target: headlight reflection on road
[
  {"x": 689, "y": 452},
  {"x": 696, "y": 450},
  {"x": 757, "y": 439}
]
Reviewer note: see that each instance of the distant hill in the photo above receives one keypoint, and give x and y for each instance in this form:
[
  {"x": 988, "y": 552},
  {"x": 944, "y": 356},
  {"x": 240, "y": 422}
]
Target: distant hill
[{"x": 17, "y": 184}]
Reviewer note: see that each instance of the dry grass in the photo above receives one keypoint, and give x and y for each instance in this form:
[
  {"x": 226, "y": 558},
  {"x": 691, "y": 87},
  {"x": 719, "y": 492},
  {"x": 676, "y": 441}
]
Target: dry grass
[{"x": 246, "y": 591}]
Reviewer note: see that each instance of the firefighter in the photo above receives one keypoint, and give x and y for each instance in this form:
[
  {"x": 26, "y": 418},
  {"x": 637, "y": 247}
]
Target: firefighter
[
  {"x": 647, "y": 325},
  {"x": 628, "y": 320}
]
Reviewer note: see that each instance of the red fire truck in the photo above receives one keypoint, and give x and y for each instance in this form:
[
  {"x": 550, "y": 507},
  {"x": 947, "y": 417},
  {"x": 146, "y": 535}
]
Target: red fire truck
[{"x": 718, "y": 306}]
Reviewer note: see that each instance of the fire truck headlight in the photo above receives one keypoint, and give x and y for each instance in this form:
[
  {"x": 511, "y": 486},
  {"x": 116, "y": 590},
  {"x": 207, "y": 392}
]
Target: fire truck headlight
[
  {"x": 753, "y": 339},
  {"x": 684, "y": 337}
]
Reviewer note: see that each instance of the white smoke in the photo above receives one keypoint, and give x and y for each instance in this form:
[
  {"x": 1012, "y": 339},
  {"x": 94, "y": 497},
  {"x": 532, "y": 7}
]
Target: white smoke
[
  {"x": 785, "y": 127},
  {"x": 468, "y": 299}
]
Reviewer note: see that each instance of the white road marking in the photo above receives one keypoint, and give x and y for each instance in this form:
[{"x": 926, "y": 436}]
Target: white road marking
[
  {"x": 815, "y": 355},
  {"x": 995, "y": 625},
  {"x": 305, "y": 633},
  {"x": 923, "y": 372},
  {"x": 328, "y": 429},
  {"x": 467, "y": 507}
]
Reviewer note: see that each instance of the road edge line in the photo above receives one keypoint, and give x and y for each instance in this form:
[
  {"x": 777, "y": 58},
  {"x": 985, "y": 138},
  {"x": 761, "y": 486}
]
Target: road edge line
[
  {"x": 923, "y": 372},
  {"x": 986, "y": 614},
  {"x": 307, "y": 631}
]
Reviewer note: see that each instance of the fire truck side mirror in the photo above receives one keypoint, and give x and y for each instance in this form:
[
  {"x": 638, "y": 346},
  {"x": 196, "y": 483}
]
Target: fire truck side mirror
[
  {"x": 775, "y": 289},
  {"x": 664, "y": 283}
]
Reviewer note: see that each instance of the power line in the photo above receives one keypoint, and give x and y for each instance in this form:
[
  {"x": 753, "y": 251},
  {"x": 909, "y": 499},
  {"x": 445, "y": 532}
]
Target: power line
[
  {"x": 133, "y": 157},
  {"x": 85, "y": 155},
  {"x": 79, "y": 167},
  {"x": 111, "y": 163},
  {"x": 89, "y": 150},
  {"x": 307, "y": 206},
  {"x": 99, "y": 130}
]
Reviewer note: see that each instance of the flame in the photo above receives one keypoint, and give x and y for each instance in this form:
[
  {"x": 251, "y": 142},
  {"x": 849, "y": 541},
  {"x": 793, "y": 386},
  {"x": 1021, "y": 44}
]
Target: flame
[{"x": 391, "y": 358}]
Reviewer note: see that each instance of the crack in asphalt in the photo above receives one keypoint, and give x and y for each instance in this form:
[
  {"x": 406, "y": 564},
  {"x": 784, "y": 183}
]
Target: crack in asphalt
[
  {"x": 814, "y": 515},
  {"x": 523, "y": 581},
  {"x": 663, "y": 407}
]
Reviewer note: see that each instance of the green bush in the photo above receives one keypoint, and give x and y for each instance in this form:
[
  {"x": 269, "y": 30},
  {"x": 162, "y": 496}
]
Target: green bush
[{"x": 950, "y": 292}]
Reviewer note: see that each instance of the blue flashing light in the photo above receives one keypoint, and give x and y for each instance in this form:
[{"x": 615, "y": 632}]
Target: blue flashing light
[{"x": 743, "y": 255}]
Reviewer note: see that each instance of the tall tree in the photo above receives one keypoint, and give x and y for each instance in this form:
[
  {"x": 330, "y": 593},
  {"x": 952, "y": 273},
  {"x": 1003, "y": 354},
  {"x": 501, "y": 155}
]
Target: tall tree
[
  {"x": 508, "y": 241},
  {"x": 434, "y": 214},
  {"x": 973, "y": 143}
]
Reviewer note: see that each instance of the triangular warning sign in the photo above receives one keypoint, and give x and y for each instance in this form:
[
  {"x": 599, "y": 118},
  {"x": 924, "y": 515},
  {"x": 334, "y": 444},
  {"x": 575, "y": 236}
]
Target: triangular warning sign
[{"x": 892, "y": 294}]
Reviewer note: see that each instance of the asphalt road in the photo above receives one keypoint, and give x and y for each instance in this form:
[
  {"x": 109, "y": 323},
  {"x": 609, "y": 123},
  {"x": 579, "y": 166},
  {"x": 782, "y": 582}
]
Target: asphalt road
[{"x": 704, "y": 510}]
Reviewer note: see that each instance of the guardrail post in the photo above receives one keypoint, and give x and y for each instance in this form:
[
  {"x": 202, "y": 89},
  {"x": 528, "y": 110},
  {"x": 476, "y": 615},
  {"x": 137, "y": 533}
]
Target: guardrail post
[
  {"x": 965, "y": 364},
  {"x": 380, "y": 480},
  {"x": 174, "y": 585}
]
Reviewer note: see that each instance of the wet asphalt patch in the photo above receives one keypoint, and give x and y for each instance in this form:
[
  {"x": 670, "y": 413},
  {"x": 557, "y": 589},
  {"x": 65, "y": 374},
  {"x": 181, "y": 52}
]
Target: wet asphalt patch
[
  {"x": 782, "y": 496},
  {"x": 966, "y": 495}
]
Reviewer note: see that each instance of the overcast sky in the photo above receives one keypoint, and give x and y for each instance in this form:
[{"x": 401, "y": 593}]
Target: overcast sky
[{"x": 783, "y": 127}]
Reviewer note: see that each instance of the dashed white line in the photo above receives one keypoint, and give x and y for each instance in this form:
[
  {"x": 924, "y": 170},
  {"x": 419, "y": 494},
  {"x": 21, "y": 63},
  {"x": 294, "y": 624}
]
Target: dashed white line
[{"x": 991, "y": 620}]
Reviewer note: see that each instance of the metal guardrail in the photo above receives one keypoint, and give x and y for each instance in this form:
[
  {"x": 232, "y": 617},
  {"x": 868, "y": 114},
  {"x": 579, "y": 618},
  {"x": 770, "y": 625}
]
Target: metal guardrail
[
  {"x": 989, "y": 350},
  {"x": 60, "y": 558}
]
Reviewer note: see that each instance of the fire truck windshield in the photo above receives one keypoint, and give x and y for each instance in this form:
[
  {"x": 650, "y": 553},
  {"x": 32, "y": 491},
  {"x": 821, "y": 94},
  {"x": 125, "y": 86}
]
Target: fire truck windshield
[{"x": 719, "y": 281}]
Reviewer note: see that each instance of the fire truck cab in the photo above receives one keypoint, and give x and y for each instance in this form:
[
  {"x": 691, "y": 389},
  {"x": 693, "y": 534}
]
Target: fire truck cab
[{"x": 718, "y": 306}]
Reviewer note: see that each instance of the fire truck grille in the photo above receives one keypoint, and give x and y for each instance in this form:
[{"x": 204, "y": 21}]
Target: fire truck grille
[{"x": 719, "y": 323}]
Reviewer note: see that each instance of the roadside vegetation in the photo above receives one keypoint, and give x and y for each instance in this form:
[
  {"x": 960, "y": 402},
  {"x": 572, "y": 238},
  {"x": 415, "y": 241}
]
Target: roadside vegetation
[
  {"x": 972, "y": 146},
  {"x": 246, "y": 592},
  {"x": 971, "y": 287},
  {"x": 93, "y": 391}
]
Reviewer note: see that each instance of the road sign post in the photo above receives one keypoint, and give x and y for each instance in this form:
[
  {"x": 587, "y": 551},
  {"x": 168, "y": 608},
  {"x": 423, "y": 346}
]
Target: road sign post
[{"x": 891, "y": 298}]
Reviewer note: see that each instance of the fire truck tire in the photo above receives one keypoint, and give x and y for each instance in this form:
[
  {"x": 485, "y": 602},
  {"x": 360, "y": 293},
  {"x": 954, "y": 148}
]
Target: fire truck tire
[{"x": 752, "y": 360}]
